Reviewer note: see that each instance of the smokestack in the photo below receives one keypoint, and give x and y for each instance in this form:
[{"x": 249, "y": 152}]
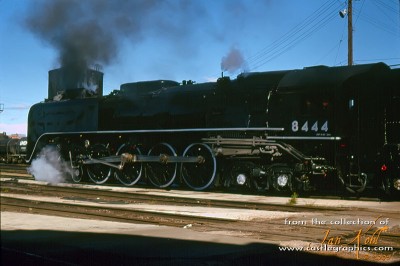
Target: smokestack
[{"x": 70, "y": 83}]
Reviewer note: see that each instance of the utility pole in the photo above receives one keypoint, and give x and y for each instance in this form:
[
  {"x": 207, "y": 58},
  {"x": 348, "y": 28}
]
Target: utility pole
[{"x": 350, "y": 32}]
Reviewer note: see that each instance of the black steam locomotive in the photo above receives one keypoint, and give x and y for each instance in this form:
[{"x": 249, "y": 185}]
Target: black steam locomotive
[{"x": 296, "y": 130}]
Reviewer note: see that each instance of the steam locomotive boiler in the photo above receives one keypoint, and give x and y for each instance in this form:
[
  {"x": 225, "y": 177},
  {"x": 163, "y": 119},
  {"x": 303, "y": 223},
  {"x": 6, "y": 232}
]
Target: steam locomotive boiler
[{"x": 295, "y": 130}]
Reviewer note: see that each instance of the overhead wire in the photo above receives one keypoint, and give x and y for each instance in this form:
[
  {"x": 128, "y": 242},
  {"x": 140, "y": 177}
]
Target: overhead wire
[
  {"x": 378, "y": 59},
  {"x": 387, "y": 16},
  {"x": 337, "y": 45},
  {"x": 340, "y": 43},
  {"x": 379, "y": 24},
  {"x": 313, "y": 23},
  {"x": 294, "y": 34},
  {"x": 296, "y": 41},
  {"x": 384, "y": 8},
  {"x": 380, "y": 6},
  {"x": 385, "y": 4},
  {"x": 359, "y": 13},
  {"x": 287, "y": 35}
]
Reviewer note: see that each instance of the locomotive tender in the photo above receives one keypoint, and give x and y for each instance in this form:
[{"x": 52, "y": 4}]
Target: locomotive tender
[{"x": 295, "y": 130}]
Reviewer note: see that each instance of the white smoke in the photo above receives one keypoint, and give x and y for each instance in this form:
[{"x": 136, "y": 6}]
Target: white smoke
[
  {"x": 90, "y": 86},
  {"x": 49, "y": 166},
  {"x": 89, "y": 89}
]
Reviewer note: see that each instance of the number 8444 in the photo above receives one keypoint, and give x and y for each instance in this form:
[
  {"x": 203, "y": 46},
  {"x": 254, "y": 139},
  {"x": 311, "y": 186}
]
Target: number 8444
[{"x": 306, "y": 126}]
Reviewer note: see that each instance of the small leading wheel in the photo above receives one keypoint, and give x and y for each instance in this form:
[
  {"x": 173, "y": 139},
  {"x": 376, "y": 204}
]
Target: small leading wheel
[
  {"x": 131, "y": 172},
  {"x": 161, "y": 174},
  {"x": 98, "y": 172},
  {"x": 75, "y": 168},
  {"x": 281, "y": 178},
  {"x": 200, "y": 175}
]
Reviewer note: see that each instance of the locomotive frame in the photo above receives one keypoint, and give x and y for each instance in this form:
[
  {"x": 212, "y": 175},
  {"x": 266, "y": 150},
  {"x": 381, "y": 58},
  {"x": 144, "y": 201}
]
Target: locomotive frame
[{"x": 197, "y": 166}]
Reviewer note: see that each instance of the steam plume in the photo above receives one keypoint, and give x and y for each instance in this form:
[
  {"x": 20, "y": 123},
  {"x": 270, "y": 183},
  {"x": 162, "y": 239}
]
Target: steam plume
[
  {"x": 90, "y": 31},
  {"x": 233, "y": 61},
  {"x": 49, "y": 166},
  {"x": 87, "y": 32}
]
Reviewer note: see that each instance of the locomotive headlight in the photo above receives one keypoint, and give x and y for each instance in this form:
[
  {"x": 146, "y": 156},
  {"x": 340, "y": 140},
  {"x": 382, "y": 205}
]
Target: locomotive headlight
[
  {"x": 282, "y": 180},
  {"x": 241, "y": 179},
  {"x": 396, "y": 184}
]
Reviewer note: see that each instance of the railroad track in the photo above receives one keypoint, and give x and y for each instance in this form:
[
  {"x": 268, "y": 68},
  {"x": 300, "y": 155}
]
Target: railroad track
[
  {"x": 103, "y": 195},
  {"x": 9, "y": 203},
  {"x": 92, "y": 193},
  {"x": 123, "y": 205},
  {"x": 132, "y": 195},
  {"x": 95, "y": 195},
  {"x": 14, "y": 167},
  {"x": 15, "y": 170},
  {"x": 268, "y": 229},
  {"x": 19, "y": 171}
]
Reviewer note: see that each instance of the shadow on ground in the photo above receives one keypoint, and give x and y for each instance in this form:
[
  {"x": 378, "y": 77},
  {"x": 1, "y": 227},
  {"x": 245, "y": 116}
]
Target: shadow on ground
[{"x": 42, "y": 247}]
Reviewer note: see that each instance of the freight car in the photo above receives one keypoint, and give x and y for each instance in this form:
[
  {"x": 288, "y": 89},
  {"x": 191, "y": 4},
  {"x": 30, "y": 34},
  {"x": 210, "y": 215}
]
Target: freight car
[
  {"x": 296, "y": 130},
  {"x": 12, "y": 149}
]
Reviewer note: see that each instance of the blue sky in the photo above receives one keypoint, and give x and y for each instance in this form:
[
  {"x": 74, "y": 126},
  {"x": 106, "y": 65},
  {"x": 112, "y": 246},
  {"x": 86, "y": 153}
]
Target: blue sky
[{"x": 188, "y": 39}]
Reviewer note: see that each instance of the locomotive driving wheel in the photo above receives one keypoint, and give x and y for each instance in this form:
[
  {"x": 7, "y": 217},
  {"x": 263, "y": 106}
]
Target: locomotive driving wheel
[
  {"x": 161, "y": 174},
  {"x": 74, "y": 157},
  {"x": 200, "y": 175},
  {"x": 97, "y": 172},
  {"x": 131, "y": 172}
]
